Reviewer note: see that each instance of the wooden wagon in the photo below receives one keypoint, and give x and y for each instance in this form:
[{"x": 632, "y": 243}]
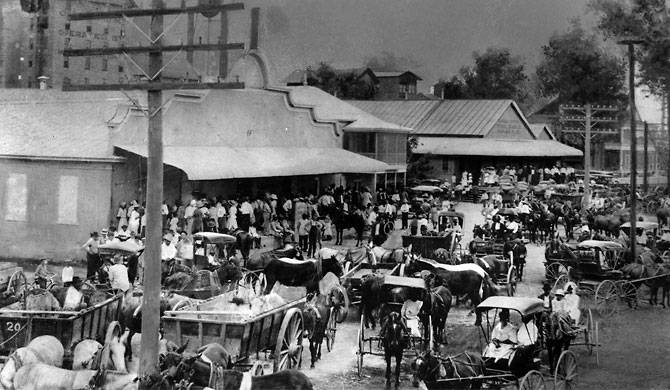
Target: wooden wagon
[
  {"x": 277, "y": 332},
  {"x": 18, "y": 327},
  {"x": 353, "y": 278},
  {"x": 447, "y": 238}
]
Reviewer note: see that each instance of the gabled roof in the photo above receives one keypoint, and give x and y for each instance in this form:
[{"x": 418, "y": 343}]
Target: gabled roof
[
  {"x": 395, "y": 74},
  {"x": 329, "y": 108},
  {"x": 444, "y": 117},
  {"x": 58, "y": 125},
  {"x": 539, "y": 128}
]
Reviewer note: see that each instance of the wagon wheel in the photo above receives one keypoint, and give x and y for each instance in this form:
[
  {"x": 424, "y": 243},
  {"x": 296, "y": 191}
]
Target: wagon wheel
[
  {"x": 565, "y": 375},
  {"x": 561, "y": 281},
  {"x": 331, "y": 328},
  {"x": 431, "y": 334},
  {"x": 17, "y": 284},
  {"x": 361, "y": 344},
  {"x": 511, "y": 281},
  {"x": 113, "y": 330},
  {"x": 533, "y": 380},
  {"x": 555, "y": 270},
  {"x": 627, "y": 293},
  {"x": 388, "y": 227},
  {"x": 343, "y": 311},
  {"x": 589, "y": 332},
  {"x": 596, "y": 344},
  {"x": 607, "y": 298},
  {"x": 288, "y": 350}
]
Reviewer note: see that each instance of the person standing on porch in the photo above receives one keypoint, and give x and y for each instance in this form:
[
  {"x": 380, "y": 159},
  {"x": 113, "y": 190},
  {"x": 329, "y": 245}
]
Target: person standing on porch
[
  {"x": 246, "y": 214},
  {"x": 92, "y": 255},
  {"x": 188, "y": 216}
]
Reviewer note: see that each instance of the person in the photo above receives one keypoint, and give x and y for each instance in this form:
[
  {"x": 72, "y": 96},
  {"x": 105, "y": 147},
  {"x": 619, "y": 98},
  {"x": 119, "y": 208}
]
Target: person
[
  {"x": 74, "y": 299},
  {"x": 503, "y": 338},
  {"x": 118, "y": 275},
  {"x": 327, "y": 228},
  {"x": 410, "y": 315},
  {"x": 314, "y": 235},
  {"x": 546, "y": 296},
  {"x": 571, "y": 302},
  {"x": 422, "y": 224},
  {"x": 165, "y": 211},
  {"x": 304, "y": 226},
  {"x": 168, "y": 250},
  {"x": 231, "y": 224},
  {"x": 404, "y": 213},
  {"x": 134, "y": 218},
  {"x": 246, "y": 214},
  {"x": 220, "y": 215},
  {"x": 558, "y": 304},
  {"x": 92, "y": 255},
  {"x": 212, "y": 260},
  {"x": 123, "y": 234},
  {"x": 42, "y": 274},
  {"x": 188, "y": 215}
]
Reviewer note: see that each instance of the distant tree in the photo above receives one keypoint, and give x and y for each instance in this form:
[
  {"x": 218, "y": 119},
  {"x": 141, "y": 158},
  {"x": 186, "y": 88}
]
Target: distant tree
[
  {"x": 451, "y": 89},
  {"x": 577, "y": 69},
  {"x": 496, "y": 74},
  {"x": 645, "y": 20},
  {"x": 345, "y": 85},
  {"x": 419, "y": 167}
]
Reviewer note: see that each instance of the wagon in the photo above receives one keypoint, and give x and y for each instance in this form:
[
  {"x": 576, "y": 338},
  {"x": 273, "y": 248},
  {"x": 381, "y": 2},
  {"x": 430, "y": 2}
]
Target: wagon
[
  {"x": 277, "y": 332},
  {"x": 491, "y": 246},
  {"x": 521, "y": 369},
  {"x": 503, "y": 274},
  {"x": 426, "y": 245},
  {"x": 595, "y": 270},
  {"x": 353, "y": 278},
  {"x": 371, "y": 344},
  {"x": 18, "y": 327}
]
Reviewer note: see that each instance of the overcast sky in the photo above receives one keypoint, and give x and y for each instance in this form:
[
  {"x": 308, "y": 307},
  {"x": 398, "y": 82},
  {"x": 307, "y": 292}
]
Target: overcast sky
[{"x": 439, "y": 35}]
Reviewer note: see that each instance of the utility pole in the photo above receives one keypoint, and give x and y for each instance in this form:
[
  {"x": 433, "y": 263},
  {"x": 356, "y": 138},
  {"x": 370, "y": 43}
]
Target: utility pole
[
  {"x": 645, "y": 178},
  {"x": 590, "y": 116},
  {"x": 155, "y": 87}
]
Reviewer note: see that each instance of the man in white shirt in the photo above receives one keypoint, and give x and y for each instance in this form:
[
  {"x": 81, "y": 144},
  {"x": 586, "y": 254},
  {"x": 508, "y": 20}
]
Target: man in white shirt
[
  {"x": 74, "y": 299},
  {"x": 503, "y": 338},
  {"x": 404, "y": 213},
  {"x": 118, "y": 275},
  {"x": 168, "y": 250}
]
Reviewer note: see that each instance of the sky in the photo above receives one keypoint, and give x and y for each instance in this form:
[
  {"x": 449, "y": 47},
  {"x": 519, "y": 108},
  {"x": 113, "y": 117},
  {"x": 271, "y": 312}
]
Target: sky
[{"x": 438, "y": 36}]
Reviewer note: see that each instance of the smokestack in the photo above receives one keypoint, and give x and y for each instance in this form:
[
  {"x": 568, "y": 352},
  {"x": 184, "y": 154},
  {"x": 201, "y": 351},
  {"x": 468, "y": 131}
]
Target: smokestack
[{"x": 43, "y": 82}]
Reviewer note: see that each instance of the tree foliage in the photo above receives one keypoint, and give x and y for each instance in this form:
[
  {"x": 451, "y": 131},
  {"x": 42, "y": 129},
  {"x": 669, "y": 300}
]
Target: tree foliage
[
  {"x": 576, "y": 69},
  {"x": 496, "y": 74},
  {"x": 345, "y": 85},
  {"x": 389, "y": 62}
]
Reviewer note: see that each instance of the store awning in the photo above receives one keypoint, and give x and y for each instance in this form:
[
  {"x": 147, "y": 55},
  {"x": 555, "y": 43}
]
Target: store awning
[
  {"x": 219, "y": 162},
  {"x": 461, "y": 146}
]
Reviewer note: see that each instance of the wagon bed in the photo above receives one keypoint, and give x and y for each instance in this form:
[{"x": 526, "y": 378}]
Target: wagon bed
[
  {"x": 278, "y": 331},
  {"x": 354, "y": 277},
  {"x": 18, "y": 327}
]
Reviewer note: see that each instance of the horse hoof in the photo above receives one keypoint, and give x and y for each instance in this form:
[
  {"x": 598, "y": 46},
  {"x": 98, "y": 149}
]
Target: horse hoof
[{"x": 312, "y": 365}]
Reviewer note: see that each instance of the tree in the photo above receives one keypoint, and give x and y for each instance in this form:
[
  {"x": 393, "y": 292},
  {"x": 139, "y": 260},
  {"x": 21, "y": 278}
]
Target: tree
[
  {"x": 645, "y": 20},
  {"x": 345, "y": 85},
  {"x": 496, "y": 74},
  {"x": 577, "y": 70}
]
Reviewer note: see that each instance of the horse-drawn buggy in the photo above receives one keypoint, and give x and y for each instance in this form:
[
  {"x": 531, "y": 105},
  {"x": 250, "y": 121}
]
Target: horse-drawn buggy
[
  {"x": 511, "y": 357},
  {"x": 353, "y": 278},
  {"x": 446, "y": 238},
  {"x": 403, "y": 327}
]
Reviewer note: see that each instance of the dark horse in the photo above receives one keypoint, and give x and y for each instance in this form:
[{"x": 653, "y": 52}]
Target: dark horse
[
  {"x": 436, "y": 306},
  {"x": 656, "y": 276},
  {"x": 375, "y": 297},
  {"x": 288, "y": 251},
  {"x": 346, "y": 220},
  {"x": 306, "y": 273},
  {"x": 429, "y": 368},
  {"x": 316, "y": 315},
  {"x": 394, "y": 338},
  {"x": 244, "y": 243},
  {"x": 559, "y": 334},
  {"x": 130, "y": 316},
  {"x": 462, "y": 279}
]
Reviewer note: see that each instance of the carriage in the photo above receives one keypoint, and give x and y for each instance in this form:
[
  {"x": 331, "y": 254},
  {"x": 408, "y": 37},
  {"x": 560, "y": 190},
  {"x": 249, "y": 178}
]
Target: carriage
[
  {"x": 371, "y": 344},
  {"x": 19, "y": 326},
  {"x": 596, "y": 272},
  {"x": 446, "y": 237},
  {"x": 503, "y": 273},
  {"x": 353, "y": 278},
  {"x": 521, "y": 368},
  {"x": 643, "y": 228}
]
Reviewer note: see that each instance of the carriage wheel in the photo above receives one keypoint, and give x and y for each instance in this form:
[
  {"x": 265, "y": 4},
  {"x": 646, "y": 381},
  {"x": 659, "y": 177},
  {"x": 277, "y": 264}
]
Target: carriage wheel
[
  {"x": 607, "y": 298},
  {"x": 113, "y": 330},
  {"x": 431, "y": 334},
  {"x": 565, "y": 375},
  {"x": 361, "y": 344},
  {"x": 561, "y": 281},
  {"x": 555, "y": 270},
  {"x": 627, "y": 293},
  {"x": 511, "y": 281},
  {"x": 533, "y": 380},
  {"x": 589, "y": 332},
  {"x": 331, "y": 328},
  {"x": 288, "y": 350},
  {"x": 389, "y": 227},
  {"x": 17, "y": 284},
  {"x": 343, "y": 311},
  {"x": 347, "y": 267},
  {"x": 596, "y": 344}
]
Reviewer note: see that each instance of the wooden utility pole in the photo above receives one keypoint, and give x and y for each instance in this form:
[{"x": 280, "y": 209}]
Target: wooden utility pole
[
  {"x": 590, "y": 116},
  {"x": 645, "y": 177},
  {"x": 154, "y": 87}
]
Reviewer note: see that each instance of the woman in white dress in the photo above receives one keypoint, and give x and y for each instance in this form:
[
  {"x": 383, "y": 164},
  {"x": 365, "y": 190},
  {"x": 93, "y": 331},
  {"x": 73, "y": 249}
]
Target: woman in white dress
[{"x": 232, "y": 217}]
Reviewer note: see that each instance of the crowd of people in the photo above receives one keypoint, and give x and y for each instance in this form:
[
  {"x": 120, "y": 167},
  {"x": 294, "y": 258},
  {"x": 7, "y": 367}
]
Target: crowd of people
[{"x": 560, "y": 173}]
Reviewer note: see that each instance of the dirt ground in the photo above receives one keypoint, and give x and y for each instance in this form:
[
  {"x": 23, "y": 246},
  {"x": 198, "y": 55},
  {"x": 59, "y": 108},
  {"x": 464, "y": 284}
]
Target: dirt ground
[{"x": 633, "y": 355}]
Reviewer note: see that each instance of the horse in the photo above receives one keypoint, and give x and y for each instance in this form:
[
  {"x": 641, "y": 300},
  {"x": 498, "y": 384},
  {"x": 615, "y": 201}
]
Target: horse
[
  {"x": 346, "y": 220},
  {"x": 171, "y": 267},
  {"x": 429, "y": 368},
  {"x": 375, "y": 297},
  {"x": 394, "y": 339},
  {"x": 662, "y": 215},
  {"x": 658, "y": 278},
  {"x": 557, "y": 249},
  {"x": 89, "y": 354},
  {"x": 559, "y": 333},
  {"x": 41, "y": 349},
  {"x": 244, "y": 242},
  {"x": 42, "y": 376},
  {"x": 316, "y": 315},
  {"x": 461, "y": 279},
  {"x": 378, "y": 254},
  {"x": 571, "y": 219},
  {"x": 436, "y": 306},
  {"x": 306, "y": 273},
  {"x": 288, "y": 251},
  {"x": 130, "y": 316}
]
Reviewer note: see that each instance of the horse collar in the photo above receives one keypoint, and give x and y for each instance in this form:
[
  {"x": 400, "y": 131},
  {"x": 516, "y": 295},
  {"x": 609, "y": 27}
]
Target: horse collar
[{"x": 18, "y": 363}]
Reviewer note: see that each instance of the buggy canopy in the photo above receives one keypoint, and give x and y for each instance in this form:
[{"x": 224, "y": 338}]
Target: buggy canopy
[
  {"x": 522, "y": 305},
  {"x": 116, "y": 246},
  {"x": 215, "y": 238},
  {"x": 611, "y": 245}
]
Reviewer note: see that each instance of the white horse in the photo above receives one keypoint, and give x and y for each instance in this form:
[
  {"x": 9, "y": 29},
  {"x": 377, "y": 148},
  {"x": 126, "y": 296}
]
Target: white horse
[{"x": 41, "y": 349}]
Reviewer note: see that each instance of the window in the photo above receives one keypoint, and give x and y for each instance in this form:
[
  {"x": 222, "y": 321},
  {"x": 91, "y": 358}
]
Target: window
[
  {"x": 66, "y": 63},
  {"x": 30, "y": 64},
  {"x": 120, "y": 68},
  {"x": 67, "y": 26},
  {"x": 31, "y": 44},
  {"x": 89, "y": 29},
  {"x": 104, "y": 64},
  {"x": 85, "y": 80},
  {"x": 105, "y": 30},
  {"x": 16, "y": 197},
  {"x": 445, "y": 164},
  {"x": 87, "y": 63},
  {"x": 122, "y": 33},
  {"x": 67, "y": 42},
  {"x": 68, "y": 189}
]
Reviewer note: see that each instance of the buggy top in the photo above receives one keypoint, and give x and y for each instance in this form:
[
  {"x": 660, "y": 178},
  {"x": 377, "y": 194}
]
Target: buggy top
[
  {"x": 215, "y": 238},
  {"x": 404, "y": 281},
  {"x": 603, "y": 245},
  {"x": 128, "y": 247},
  {"x": 524, "y": 306}
]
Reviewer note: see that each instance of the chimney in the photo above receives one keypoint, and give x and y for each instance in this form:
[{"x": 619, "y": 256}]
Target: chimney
[{"x": 43, "y": 82}]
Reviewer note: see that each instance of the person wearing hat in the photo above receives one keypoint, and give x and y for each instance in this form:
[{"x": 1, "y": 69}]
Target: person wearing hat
[
  {"x": 503, "y": 339},
  {"x": 42, "y": 274},
  {"x": 571, "y": 302},
  {"x": 404, "y": 213},
  {"x": 118, "y": 275},
  {"x": 546, "y": 295},
  {"x": 74, "y": 299},
  {"x": 558, "y": 304},
  {"x": 422, "y": 224},
  {"x": 92, "y": 255},
  {"x": 168, "y": 250}
]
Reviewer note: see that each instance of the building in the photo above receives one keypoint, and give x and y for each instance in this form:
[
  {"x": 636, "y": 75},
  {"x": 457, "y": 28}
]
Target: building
[
  {"x": 396, "y": 85},
  {"x": 466, "y": 135}
]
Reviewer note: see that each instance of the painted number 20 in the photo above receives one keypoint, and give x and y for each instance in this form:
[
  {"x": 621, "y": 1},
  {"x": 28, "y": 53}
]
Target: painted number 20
[{"x": 13, "y": 326}]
